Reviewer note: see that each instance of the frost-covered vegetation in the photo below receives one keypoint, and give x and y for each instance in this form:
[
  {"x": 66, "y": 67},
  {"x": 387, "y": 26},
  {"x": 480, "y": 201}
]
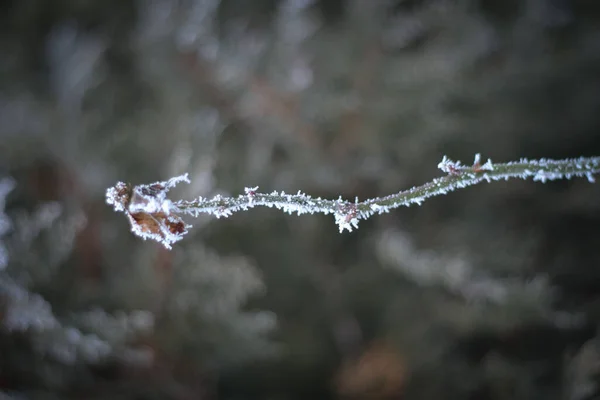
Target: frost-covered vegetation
[
  {"x": 153, "y": 216},
  {"x": 489, "y": 292}
]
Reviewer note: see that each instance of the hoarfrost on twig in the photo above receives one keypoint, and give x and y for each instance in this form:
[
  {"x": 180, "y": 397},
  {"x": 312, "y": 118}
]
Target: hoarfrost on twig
[{"x": 153, "y": 216}]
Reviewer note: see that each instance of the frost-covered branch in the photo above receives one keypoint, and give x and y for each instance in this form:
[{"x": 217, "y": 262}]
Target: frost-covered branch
[{"x": 153, "y": 216}]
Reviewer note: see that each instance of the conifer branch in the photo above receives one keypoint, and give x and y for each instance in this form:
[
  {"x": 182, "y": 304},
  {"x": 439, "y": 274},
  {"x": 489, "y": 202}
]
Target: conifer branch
[{"x": 153, "y": 216}]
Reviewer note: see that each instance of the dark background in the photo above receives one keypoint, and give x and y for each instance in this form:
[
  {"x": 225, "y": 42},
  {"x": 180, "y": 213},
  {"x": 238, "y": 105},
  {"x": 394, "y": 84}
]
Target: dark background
[{"x": 487, "y": 293}]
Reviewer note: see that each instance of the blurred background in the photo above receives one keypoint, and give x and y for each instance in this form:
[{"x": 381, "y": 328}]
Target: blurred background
[{"x": 492, "y": 292}]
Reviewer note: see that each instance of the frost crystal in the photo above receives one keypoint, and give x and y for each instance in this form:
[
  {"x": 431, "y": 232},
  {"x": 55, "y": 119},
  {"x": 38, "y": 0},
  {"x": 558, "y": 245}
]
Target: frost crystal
[
  {"x": 488, "y": 166},
  {"x": 346, "y": 221}
]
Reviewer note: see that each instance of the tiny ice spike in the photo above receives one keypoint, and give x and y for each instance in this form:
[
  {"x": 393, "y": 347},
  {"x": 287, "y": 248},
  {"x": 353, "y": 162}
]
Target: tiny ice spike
[{"x": 153, "y": 216}]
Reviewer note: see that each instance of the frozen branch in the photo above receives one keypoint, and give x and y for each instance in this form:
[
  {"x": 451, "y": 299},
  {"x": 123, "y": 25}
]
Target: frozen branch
[{"x": 153, "y": 216}]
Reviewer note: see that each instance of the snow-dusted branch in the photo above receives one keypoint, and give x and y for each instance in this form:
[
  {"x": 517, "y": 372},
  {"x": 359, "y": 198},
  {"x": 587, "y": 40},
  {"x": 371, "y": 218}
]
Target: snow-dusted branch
[{"x": 153, "y": 216}]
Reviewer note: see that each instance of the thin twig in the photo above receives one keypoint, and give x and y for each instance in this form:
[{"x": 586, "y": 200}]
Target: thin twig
[{"x": 153, "y": 216}]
